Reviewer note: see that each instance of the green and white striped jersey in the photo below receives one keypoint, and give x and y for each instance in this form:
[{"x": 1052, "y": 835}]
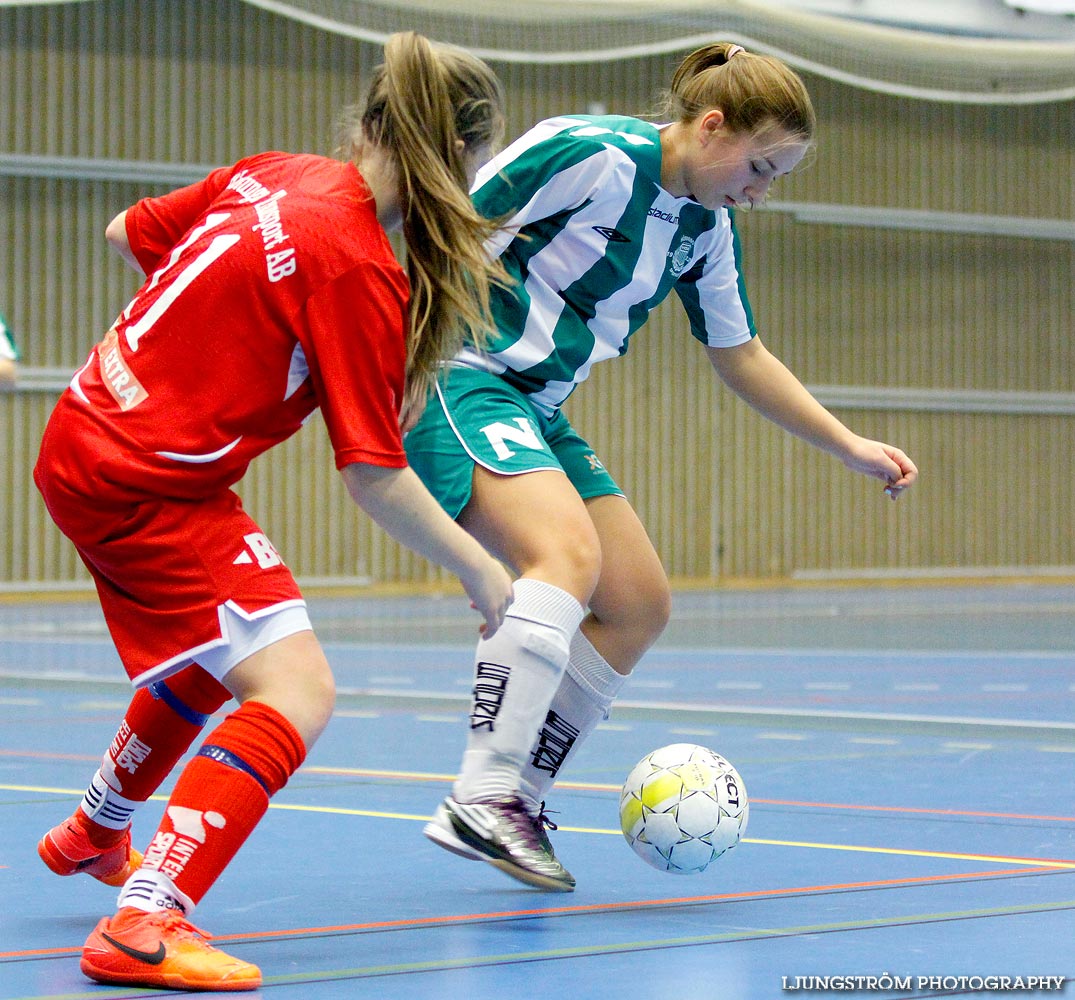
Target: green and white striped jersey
[{"x": 595, "y": 243}]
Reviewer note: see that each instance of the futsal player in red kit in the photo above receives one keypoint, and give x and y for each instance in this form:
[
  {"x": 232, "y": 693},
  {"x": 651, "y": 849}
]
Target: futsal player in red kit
[{"x": 271, "y": 291}]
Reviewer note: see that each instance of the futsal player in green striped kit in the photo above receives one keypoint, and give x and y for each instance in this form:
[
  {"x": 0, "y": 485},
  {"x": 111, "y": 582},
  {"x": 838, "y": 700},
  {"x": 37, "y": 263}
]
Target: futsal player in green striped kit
[{"x": 606, "y": 216}]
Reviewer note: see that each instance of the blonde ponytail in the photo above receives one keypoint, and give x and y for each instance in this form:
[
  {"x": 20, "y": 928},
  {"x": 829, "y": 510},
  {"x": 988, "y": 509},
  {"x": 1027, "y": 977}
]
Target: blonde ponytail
[{"x": 433, "y": 107}]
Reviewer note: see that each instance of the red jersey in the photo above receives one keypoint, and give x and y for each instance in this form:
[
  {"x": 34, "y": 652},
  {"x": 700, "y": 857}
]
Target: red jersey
[{"x": 272, "y": 291}]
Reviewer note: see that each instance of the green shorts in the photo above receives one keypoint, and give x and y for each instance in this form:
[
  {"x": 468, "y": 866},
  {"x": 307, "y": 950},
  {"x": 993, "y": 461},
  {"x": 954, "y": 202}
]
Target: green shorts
[{"x": 476, "y": 418}]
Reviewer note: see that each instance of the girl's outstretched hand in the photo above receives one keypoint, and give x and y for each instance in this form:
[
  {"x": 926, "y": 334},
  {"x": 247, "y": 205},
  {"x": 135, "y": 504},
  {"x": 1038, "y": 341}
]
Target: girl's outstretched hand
[{"x": 882, "y": 461}]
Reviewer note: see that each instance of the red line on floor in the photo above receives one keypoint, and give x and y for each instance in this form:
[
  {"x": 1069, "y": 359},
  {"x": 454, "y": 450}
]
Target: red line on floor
[{"x": 464, "y": 918}]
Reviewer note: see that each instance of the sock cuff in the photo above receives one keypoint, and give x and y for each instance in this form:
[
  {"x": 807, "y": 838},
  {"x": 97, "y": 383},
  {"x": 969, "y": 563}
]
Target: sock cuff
[
  {"x": 545, "y": 604},
  {"x": 592, "y": 672},
  {"x": 105, "y": 806},
  {"x": 264, "y": 740}
]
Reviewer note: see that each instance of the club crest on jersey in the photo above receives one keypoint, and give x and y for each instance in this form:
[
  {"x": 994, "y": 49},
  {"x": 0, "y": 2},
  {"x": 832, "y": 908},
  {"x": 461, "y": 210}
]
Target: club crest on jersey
[{"x": 681, "y": 256}]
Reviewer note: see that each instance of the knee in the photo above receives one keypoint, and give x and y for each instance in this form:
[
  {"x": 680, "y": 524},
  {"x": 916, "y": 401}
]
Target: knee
[
  {"x": 316, "y": 690},
  {"x": 294, "y": 677},
  {"x": 307, "y": 702},
  {"x": 572, "y": 562},
  {"x": 638, "y": 606}
]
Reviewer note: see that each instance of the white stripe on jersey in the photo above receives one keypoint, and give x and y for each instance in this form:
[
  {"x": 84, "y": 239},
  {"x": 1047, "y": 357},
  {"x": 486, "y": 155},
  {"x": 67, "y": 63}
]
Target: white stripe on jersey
[
  {"x": 176, "y": 456},
  {"x": 561, "y": 268}
]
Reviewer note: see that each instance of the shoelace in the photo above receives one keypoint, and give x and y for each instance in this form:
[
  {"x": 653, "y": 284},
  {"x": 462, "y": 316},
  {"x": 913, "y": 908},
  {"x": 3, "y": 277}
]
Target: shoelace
[
  {"x": 524, "y": 826},
  {"x": 175, "y": 922},
  {"x": 543, "y": 820}
]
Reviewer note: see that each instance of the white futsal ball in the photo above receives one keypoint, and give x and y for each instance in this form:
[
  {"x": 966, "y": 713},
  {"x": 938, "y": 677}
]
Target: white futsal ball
[{"x": 682, "y": 807}]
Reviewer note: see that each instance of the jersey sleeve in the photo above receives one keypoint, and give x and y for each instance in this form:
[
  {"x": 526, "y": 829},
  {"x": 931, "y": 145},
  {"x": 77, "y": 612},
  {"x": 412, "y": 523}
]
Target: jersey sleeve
[
  {"x": 156, "y": 225},
  {"x": 714, "y": 295},
  {"x": 354, "y": 340}
]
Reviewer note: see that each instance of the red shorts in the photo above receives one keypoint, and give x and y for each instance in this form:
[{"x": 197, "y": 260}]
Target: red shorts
[{"x": 165, "y": 568}]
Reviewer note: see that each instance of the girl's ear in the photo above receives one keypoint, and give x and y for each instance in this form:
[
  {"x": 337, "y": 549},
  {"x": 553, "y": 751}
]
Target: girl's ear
[{"x": 710, "y": 124}]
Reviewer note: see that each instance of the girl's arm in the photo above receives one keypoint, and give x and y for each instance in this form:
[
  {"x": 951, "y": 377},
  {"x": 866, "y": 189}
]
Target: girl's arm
[
  {"x": 761, "y": 380},
  {"x": 116, "y": 235},
  {"x": 399, "y": 503}
]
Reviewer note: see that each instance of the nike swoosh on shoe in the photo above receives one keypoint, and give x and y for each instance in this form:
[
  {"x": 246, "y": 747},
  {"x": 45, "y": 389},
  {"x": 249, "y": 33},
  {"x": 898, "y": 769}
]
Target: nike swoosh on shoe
[{"x": 149, "y": 957}]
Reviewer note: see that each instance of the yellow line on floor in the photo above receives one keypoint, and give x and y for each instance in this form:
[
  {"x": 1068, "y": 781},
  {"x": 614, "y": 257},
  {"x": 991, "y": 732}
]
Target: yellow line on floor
[{"x": 414, "y": 817}]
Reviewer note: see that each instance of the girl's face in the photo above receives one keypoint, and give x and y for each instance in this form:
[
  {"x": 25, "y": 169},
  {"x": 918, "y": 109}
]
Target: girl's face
[{"x": 718, "y": 167}]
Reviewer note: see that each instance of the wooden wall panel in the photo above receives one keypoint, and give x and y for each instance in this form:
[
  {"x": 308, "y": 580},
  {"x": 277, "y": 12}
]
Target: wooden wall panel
[{"x": 724, "y": 494}]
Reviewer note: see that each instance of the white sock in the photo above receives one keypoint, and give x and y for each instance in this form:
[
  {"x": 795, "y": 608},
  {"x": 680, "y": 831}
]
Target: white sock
[
  {"x": 104, "y": 805},
  {"x": 516, "y": 673},
  {"x": 150, "y": 890},
  {"x": 584, "y": 698}
]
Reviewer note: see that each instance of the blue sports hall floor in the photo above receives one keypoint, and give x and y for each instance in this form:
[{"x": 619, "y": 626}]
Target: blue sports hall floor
[{"x": 909, "y": 753}]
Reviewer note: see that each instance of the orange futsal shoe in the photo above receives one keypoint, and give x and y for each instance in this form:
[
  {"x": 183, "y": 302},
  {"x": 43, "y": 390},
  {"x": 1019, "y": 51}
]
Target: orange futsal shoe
[
  {"x": 162, "y": 950},
  {"x": 67, "y": 850}
]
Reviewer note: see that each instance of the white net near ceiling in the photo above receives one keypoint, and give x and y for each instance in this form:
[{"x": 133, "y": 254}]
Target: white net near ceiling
[
  {"x": 893, "y": 60},
  {"x": 890, "y": 60}
]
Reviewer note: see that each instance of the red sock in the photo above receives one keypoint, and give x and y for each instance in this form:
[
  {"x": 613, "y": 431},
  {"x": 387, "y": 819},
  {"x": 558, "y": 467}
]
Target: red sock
[
  {"x": 161, "y": 723},
  {"x": 221, "y": 796}
]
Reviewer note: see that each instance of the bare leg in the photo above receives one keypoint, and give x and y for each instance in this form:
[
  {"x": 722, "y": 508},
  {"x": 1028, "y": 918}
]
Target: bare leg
[{"x": 630, "y": 606}]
